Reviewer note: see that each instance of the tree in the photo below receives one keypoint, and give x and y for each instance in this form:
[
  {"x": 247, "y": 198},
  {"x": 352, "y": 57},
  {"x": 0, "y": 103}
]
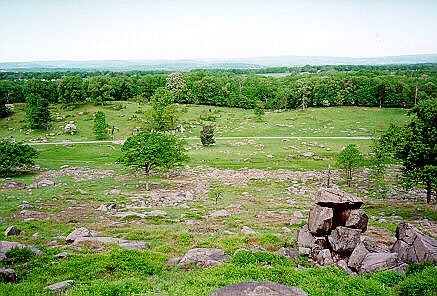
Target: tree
[
  {"x": 46, "y": 89},
  {"x": 258, "y": 109},
  {"x": 415, "y": 145},
  {"x": 378, "y": 160},
  {"x": 71, "y": 90},
  {"x": 349, "y": 159},
  {"x": 151, "y": 150},
  {"x": 100, "y": 126},
  {"x": 15, "y": 155},
  {"x": 207, "y": 135},
  {"x": 100, "y": 89},
  {"x": 122, "y": 88},
  {"x": 37, "y": 111},
  {"x": 4, "y": 110},
  {"x": 176, "y": 84},
  {"x": 164, "y": 114}
]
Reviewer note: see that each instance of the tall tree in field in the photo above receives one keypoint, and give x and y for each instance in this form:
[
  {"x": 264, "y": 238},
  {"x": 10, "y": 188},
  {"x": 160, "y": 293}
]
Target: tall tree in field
[
  {"x": 415, "y": 145},
  {"x": 151, "y": 150},
  {"x": 46, "y": 89},
  {"x": 349, "y": 159},
  {"x": 100, "y": 89},
  {"x": 14, "y": 155},
  {"x": 71, "y": 90},
  {"x": 176, "y": 84},
  {"x": 100, "y": 126},
  {"x": 164, "y": 115},
  {"x": 37, "y": 111},
  {"x": 122, "y": 88}
]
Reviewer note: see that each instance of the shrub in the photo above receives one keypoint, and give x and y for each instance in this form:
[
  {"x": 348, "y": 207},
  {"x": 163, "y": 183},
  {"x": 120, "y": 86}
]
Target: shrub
[
  {"x": 100, "y": 126},
  {"x": 19, "y": 255},
  {"x": 207, "y": 135},
  {"x": 15, "y": 155},
  {"x": 37, "y": 111},
  {"x": 419, "y": 283}
]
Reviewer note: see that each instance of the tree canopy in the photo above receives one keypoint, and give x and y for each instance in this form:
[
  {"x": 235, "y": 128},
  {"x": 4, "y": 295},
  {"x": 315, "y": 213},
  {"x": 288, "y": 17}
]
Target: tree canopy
[{"x": 15, "y": 155}]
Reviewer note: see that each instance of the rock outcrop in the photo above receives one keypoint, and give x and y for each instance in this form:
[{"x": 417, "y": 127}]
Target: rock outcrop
[
  {"x": 258, "y": 289},
  {"x": 203, "y": 257},
  {"x": 8, "y": 275}
]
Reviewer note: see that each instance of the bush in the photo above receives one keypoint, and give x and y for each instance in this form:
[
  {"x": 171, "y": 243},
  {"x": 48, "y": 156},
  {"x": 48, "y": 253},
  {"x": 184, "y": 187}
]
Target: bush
[
  {"x": 419, "y": 283},
  {"x": 15, "y": 155},
  {"x": 37, "y": 111},
  {"x": 19, "y": 255},
  {"x": 100, "y": 126},
  {"x": 207, "y": 135}
]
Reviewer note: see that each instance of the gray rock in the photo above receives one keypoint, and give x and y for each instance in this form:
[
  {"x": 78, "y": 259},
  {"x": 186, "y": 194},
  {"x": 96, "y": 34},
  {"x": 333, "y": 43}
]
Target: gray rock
[
  {"x": 12, "y": 230},
  {"x": 6, "y": 246},
  {"x": 357, "y": 219},
  {"x": 9, "y": 275},
  {"x": 305, "y": 238},
  {"x": 219, "y": 213},
  {"x": 343, "y": 265},
  {"x": 379, "y": 261},
  {"x": 2, "y": 257},
  {"x": 320, "y": 220},
  {"x": 133, "y": 245},
  {"x": 336, "y": 198},
  {"x": 60, "y": 286},
  {"x": 155, "y": 213},
  {"x": 107, "y": 207},
  {"x": 258, "y": 289},
  {"x": 324, "y": 257},
  {"x": 298, "y": 214},
  {"x": 247, "y": 230},
  {"x": 14, "y": 185},
  {"x": 204, "y": 257},
  {"x": 413, "y": 245},
  {"x": 344, "y": 240},
  {"x": 304, "y": 251},
  {"x": 227, "y": 232},
  {"x": 62, "y": 255},
  {"x": 46, "y": 183},
  {"x": 79, "y": 232},
  {"x": 173, "y": 261},
  {"x": 357, "y": 256},
  {"x": 290, "y": 253}
]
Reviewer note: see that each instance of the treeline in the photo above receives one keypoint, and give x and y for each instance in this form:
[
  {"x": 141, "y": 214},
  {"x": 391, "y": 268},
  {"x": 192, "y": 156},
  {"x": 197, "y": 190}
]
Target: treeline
[{"x": 221, "y": 88}]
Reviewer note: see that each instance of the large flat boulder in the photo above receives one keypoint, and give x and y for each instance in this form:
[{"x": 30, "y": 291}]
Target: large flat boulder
[
  {"x": 338, "y": 199},
  {"x": 358, "y": 254},
  {"x": 357, "y": 219},
  {"x": 379, "y": 261},
  {"x": 6, "y": 246},
  {"x": 258, "y": 289},
  {"x": 320, "y": 220},
  {"x": 59, "y": 287},
  {"x": 344, "y": 240},
  {"x": 305, "y": 238},
  {"x": 79, "y": 232},
  {"x": 204, "y": 257},
  {"x": 413, "y": 245}
]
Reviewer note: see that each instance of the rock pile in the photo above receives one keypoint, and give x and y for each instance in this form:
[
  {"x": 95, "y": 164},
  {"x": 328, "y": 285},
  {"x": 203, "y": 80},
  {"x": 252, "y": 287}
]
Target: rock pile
[{"x": 334, "y": 231}]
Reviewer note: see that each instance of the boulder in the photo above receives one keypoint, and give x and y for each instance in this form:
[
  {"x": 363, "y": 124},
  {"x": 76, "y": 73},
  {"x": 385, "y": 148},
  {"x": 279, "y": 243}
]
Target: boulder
[
  {"x": 46, "y": 183},
  {"x": 14, "y": 185},
  {"x": 357, "y": 219},
  {"x": 79, "y": 232},
  {"x": 107, "y": 207},
  {"x": 336, "y": 198},
  {"x": 204, "y": 257},
  {"x": 413, "y": 245},
  {"x": 290, "y": 253},
  {"x": 343, "y": 265},
  {"x": 219, "y": 213},
  {"x": 258, "y": 289},
  {"x": 305, "y": 238},
  {"x": 247, "y": 230},
  {"x": 379, "y": 261},
  {"x": 6, "y": 246},
  {"x": 358, "y": 254},
  {"x": 12, "y": 230},
  {"x": 134, "y": 245},
  {"x": 62, "y": 255},
  {"x": 344, "y": 240},
  {"x": 324, "y": 257},
  {"x": 9, "y": 275},
  {"x": 320, "y": 220},
  {"x": 155, "y": 213},
  {"x": 60, "y": 286}
]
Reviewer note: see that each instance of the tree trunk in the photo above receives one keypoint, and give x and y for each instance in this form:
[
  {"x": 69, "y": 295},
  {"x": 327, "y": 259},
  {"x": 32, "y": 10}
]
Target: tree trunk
[
  {"x": 428, "y": 192},
  {"x": 147, "y": 179}
]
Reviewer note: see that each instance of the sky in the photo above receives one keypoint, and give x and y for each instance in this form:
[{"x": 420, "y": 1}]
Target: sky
[{"x": 199, "y": 29}]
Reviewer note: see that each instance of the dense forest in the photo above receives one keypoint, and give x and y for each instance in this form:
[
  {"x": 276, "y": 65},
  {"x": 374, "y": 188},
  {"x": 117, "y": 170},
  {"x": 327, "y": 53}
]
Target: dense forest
[{"x": 297, "y": 87}]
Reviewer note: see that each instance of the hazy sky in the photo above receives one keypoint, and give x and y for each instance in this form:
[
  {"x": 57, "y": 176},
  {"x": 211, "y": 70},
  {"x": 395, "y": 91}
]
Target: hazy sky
[{"x": 165, "y": 29}]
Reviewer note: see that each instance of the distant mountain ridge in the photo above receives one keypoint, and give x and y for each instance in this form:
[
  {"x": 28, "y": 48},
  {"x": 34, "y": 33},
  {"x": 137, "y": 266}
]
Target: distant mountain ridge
[{"x": 191, "y": 64}]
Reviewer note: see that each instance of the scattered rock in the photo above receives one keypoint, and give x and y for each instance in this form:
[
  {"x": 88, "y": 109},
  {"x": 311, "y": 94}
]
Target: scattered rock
[
  {"x": 219, "y": 213},
  {"x": 9, "y": 275},
  {"x": 379, "y": 261},
  {"x": 79, "y": 232},
  {"x": 226, "y": 232},
  {"x": 62, "y": 255},
  {"x": 413, "y": 245},
  {"x": 203, "y": 257},
  {"x": 133, "y": 245},
  {"x": 115, "y": 192},
  {"x": 155, "y": 213},
  {"x": 6, "y": 246},
  {"x": 107, "y": 207},
  {"x": 14, "y": 185},
  {"x": 298, "y": 214},
  {"x": 324, "y": 257},
  {"x": 343, "y": 265},
  {"x": 173, "y": 261},
  {"x": 60, "y": 286},
  {"x": 344, "y": 240},
  {"x": 307, "y": 154},
  {"x": 258, "y": 289},
  {"x": 247, "y": 230},
  {"x": 358, "y": 254},
  {"x": 320, "y": 220},
  {"x": 12, "y": 230},
  {"x": 357, "y": 219},
  {"x": 336, "y": 198},
  {"x": 290, "y": 253},
  {"x": 305, "y": 238},
  {"x": 42, "y": 183}
]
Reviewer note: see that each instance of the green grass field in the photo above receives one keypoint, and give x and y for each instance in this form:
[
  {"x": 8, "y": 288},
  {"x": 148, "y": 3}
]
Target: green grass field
[{"x": 262, "y": 181}]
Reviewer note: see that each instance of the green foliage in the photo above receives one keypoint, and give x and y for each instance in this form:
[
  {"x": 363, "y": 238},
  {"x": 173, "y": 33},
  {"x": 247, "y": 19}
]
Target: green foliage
[
  {"x": 348, "y": 159},
  {"x": 244, "y": 257},
  {"x": 216, "y": 191},
  {"x": 164, "y": 115},
  {"x": 175, "y": 83},
  {"x": 37, "y": 111},
  {"x": 417, "y": 267},
  {"x": 151, "y": 150},
  {"x": 207, "y": 135},
  {"x": 19, "y": 255},
  {"x": 419, "y": 283},
  {"x": 100, "y": 89},
  {"x": 71, "y": 90},
  {"x": 378, "y": 160},
  {"x": 100, "y": 126},
  {"x": 15, "y": 155},
  {"x": 259, "y": 109},
  {"x": 415, "y": 145}
]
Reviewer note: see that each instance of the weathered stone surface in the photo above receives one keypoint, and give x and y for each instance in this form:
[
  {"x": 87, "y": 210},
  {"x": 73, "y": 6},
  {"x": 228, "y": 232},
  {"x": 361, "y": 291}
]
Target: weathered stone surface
[
  {"x": 42, "y": 183},
  {"x": 62, "y": 255},
  {"x": 357, "y": 256},
  {"x": 204, "y": 257},
  {"x": 79, "y": 232},
  {"x": 14, "y": 185},
  {"x": 305, "y": 251},
  {"x": 344, "y": 240},
  {"x": 107, "y": 207},
  {"x": 134, "y": 245},
  {"x": 413, "y": 245},
  {"x": 12, "y": 230},
  {"x": 155, "y": 213},
  {"x": 219, "y": 213},
  {"x": 247, "y": 230},
  {"x": 9, "y": 275},
  {"x": 290, "y": 253},
  {"x": 357, "y": 219},
  {"x": 6, "y": 246},
  {"x": 324, "y": 257},
  {"x": 379, "y": 261},
  {"x": 343, "y": 265},
  {"x": 173, "y": 261},
  {"x": 258, "y": 289},
  {"x": 305, "y": 238},
  {"x": 336, "y": 198},
  {"x": 320, "y": 220},
  {"x": 60, "y": 286}
]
